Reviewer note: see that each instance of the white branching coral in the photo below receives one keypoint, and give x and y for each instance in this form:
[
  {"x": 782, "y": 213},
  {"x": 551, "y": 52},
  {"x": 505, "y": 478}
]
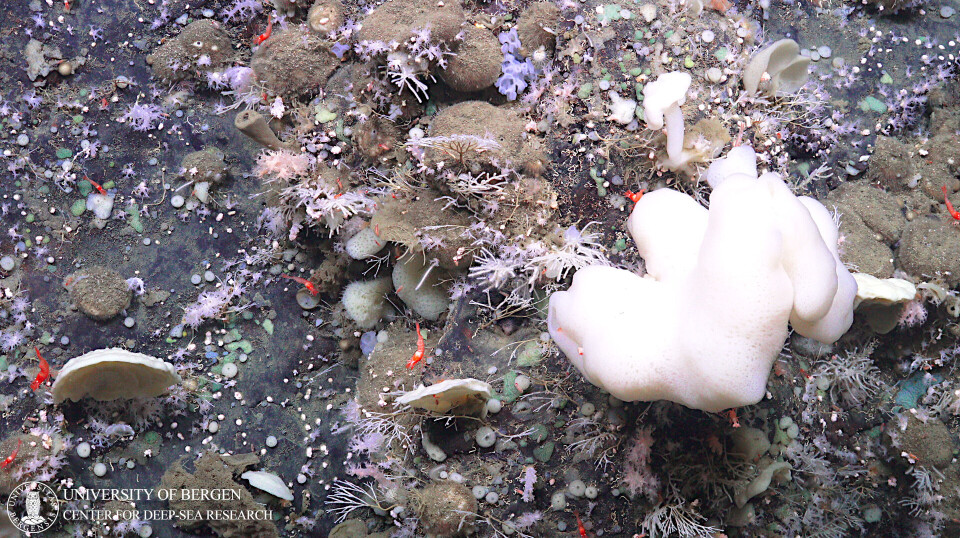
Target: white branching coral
[{"x": 321, "y": 202}]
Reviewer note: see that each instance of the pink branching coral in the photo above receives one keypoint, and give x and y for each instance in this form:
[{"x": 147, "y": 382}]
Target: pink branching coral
[
  {"x": 282, "y": 164},
  {"x": 638, "y": 477}
]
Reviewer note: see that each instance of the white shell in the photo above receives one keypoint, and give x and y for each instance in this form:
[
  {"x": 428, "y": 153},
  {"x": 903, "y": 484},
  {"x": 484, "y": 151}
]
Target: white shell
[
  {"x": 111, "y": 374},
  {"x": 268, "y": 482},
  {"x": 871, "y": 289},
  {"x": 449, "y": 394}
]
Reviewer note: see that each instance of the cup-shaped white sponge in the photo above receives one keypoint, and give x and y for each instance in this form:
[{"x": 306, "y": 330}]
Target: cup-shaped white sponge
[{"x": 706, "y": 323}]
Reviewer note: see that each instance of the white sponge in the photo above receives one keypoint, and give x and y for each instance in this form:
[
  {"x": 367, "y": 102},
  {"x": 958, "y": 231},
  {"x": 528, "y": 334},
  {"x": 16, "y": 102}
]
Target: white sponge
[
  {"x": 419, "y": 286},
  {"x": 366, "y": 301},
  {"x": 365, "y": 244},
  {"x": 705, "y": 325}
]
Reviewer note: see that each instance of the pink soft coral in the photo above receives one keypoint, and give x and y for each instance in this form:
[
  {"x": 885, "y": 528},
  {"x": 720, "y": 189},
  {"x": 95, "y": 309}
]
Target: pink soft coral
[{"x": 281, "y": 164}]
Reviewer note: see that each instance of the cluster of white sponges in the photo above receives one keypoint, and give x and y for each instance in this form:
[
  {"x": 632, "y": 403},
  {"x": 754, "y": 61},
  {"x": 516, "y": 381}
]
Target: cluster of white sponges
[
  {"x": 417, "y": 281},
  {"x": 705, "y": 324}
]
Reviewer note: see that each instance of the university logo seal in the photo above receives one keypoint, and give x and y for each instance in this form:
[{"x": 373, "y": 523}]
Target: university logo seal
[{"x": 33, "y": 507}]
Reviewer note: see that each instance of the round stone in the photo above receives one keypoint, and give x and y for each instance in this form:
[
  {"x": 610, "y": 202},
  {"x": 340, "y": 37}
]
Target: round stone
[
  {"x": 307, "y": 300},
  {"x": 494, "y": 406},
  {"x": 100, "y": 469},
  {"x": 23, "y": 139},
  {"x": 479, "y": 491},
  {"x": 825, "y": 51},
  {"x": 64, "y": 340},
  {"x": 129, "y": 322},
  {"x": 591, "y": 492},
  {"x": 271, "y": 441},
  {"x": 708, "y": 36},
  {"x": 230, "y": 370},
  {"x": 195, "y": 280},
  {"x": 576, "y": 488},
  {"x": 714, "y": 74},
  {"x": 588, "y": 409},
  {"x": 145, "y": 531},
  {"x": 65, "y": 69},
  {"x": 83, "y": 449},
  {"x": 491, "y": 497},
  {"x": 98, "y": 292},
  {"x": 177, "y": 201},
  {"x": 213, "y": 426},
  {"x": 485, "y": 437},
  {"x": 7, "y": 263},
  {"x": 209, "y": 276},
  {"x": 946, "y": 12}
]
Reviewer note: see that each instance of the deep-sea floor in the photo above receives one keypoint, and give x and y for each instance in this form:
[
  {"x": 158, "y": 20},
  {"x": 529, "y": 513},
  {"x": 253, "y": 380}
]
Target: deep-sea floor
[{"x": 489, "y": 207}]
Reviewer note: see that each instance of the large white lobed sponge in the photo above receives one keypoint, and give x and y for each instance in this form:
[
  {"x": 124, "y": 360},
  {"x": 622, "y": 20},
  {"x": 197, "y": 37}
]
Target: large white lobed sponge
[{"x": 706, "y": 323}]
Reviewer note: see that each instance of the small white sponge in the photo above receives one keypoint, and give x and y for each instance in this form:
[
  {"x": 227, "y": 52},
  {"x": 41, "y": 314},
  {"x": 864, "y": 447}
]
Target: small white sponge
[
  {"x": 365, "y": 244},
  {"x": 705, "y": 325},
  {"x": 366, "y": 301}
]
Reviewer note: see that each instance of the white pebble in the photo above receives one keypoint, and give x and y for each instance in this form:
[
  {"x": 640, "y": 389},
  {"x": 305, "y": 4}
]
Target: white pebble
[
  {"x": 129, "y": 322},
  {"x": 100, "y": 469},
  {"x": 213, "y": 427},
  {"x": 83, "y": 449},
  {"x": 271, "y": 441},
  {"x": 494, "y": 406},
  {"x": 707, "y": 36},
  {"x": 177, "y": 201}
]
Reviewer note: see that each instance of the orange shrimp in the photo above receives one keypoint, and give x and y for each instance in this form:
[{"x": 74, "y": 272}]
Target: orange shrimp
[
  {"x": 953, "y": 212},
  {"x": 266, "y": 35},
  {"x": 306, "y": 283},
  {"x": 6, "y": 463},
  {"x": 580, "y": 527},
  {"x": 635, "y": 196},
  {"x": 96, "y": 185},
  {"x": 732, "y": 417},
  {"x": 44, "y": 371},
  {"x": 421, "y": 348}
]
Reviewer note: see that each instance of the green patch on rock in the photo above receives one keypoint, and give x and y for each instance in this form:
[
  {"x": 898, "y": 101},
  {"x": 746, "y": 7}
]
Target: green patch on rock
[
  {"x": 242, "y": 345},
  {"x": 540, "y": 433},
  {"x": 913, "y": 388},
  {"x": 544, "y": 452},
  {"x": 268, "y": 326},
  {"x": 529, "y": 354},
  {"x": 325, "y": 116},
  {"x": 872, "y": 103},
  {"x": 133, "y": 210},
  {"x": 78, "y": 208},
  {"x": 610, "y": 12},
  {"x": 510, "y": 392},
  {"x": 585, "y": 90},
  {"x": 64, "y": 153}
]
